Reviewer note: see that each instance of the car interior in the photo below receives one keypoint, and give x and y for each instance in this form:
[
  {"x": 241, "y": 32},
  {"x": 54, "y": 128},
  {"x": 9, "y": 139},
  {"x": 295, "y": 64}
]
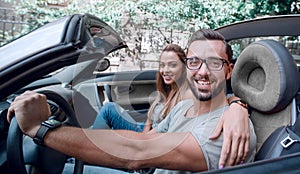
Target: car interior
[
  {"x": 266, "y": 76},
  {"x": 133, "y": 90}
]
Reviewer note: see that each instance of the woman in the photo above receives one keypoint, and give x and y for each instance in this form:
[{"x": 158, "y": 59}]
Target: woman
[{"x": 171, "y": 86}]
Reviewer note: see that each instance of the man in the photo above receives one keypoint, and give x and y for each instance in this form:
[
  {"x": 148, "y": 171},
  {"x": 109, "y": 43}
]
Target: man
[{"x": 208, "y": 63}]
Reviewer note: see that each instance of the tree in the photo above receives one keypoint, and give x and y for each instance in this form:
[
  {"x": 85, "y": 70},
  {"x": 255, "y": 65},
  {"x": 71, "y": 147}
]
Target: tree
[
  {"x": 182, "y": 15},
  {"x": 157, "y": 22},
  {"x": 275, "y": 7}
]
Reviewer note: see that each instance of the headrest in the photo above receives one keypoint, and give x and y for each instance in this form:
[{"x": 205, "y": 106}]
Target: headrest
[{"x": 265, "y": 76}]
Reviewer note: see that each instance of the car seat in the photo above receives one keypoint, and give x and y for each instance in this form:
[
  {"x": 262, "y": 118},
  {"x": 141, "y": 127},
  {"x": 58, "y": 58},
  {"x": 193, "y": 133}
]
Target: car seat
[
  {"x": 266, "y": 77},
  {"x": 86, "y": 102}
]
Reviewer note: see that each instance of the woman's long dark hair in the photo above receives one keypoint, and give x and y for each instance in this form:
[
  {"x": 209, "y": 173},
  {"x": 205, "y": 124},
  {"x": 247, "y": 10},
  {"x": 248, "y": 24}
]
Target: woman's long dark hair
[{"x": 169, "y": 94}]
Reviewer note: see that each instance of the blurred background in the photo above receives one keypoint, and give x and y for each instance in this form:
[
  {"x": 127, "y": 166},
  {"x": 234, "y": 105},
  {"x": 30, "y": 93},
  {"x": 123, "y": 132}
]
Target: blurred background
[{"x": 146, "y": 25}]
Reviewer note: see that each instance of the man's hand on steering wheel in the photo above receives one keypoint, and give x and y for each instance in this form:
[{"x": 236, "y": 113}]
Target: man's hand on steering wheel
[{"x": 30, "y": 109}]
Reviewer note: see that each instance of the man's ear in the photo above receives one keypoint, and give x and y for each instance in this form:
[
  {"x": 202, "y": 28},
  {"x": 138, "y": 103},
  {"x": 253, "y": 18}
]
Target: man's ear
[{"x": 229, "y": 72}]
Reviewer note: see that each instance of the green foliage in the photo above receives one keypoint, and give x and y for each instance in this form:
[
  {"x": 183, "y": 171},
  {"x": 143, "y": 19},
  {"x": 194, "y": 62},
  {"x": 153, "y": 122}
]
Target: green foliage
[
  {"x": 183, "y": 15},
  {"x": 187, "y": 15},
  {"x": 167, "y": 15},
  {"x": 37, "y": 12},
  {"x": 275, "y": 7}
]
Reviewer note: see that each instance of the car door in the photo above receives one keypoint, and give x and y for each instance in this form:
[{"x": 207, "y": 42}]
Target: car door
[{"x": 133, "y": 90}]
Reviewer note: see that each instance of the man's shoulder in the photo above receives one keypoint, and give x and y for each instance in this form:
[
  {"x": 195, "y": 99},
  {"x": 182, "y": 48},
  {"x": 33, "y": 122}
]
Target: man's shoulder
[
  {"x": 184, "y": 103},
  {"x": 180, "y": 109}
]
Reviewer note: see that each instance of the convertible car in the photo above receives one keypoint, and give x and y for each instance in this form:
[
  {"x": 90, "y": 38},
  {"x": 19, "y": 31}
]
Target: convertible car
[{"x": 66, "y": 60}]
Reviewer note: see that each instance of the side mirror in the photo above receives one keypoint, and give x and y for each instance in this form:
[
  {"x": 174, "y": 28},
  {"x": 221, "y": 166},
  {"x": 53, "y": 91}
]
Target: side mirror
[{"x": 103, "y": 65}]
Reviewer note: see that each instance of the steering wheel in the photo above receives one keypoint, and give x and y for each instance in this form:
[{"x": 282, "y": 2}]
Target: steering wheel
[{"x": 35, "y": 154}]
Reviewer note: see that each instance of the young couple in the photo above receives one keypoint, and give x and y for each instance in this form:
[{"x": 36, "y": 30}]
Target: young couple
[{"x": 183, "y": 139}]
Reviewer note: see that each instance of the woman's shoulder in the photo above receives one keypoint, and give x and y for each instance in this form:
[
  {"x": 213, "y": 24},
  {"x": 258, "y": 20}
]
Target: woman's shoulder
[{"x": 159, "y": 106}]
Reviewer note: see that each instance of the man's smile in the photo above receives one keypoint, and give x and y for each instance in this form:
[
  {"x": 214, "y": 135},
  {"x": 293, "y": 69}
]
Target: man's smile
[{"x": 201, "y": 82}]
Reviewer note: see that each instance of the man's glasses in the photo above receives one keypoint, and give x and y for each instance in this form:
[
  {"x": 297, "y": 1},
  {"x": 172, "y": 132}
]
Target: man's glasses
[{"x": 212, "y": 63}]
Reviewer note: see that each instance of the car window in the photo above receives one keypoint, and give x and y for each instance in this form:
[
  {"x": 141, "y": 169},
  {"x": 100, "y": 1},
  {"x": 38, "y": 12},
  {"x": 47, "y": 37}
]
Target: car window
[{"x": 120, "y": 63}]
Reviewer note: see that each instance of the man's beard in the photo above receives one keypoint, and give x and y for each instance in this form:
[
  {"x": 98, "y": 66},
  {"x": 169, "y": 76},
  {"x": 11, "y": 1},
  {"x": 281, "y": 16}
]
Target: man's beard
[{"x": 207, "y": 95}]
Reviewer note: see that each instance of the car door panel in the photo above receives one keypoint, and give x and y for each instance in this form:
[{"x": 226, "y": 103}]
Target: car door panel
[{"x": 134, "y": 90}]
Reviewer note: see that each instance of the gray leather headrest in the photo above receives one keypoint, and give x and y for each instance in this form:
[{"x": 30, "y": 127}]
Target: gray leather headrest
[{"x": 265, "y": 76}]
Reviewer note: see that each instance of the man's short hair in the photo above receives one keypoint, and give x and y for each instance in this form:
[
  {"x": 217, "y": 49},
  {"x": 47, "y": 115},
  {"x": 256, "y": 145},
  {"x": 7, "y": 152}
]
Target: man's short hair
[{"x": 207, "y": 34}]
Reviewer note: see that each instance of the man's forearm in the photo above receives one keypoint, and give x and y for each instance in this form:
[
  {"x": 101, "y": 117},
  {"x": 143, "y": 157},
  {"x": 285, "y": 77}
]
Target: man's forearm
[
  {"x": 87, "y": 145},
  {"x": 125, "y": 149}
]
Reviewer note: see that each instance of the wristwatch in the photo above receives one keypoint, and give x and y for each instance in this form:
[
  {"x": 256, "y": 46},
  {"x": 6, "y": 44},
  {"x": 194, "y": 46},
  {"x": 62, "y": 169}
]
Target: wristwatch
[
  {"x": 241, "y": 103},
  {"x": 47, "y": 125}
]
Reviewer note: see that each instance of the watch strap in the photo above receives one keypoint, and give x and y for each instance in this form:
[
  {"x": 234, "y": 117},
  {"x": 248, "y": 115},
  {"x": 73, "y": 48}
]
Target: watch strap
[
  {"x": 240, "y": 102},
  {"x": 243, "y": 104},
  {"x": 45, "y": 127},
  {"x": 40, "y": 135}
]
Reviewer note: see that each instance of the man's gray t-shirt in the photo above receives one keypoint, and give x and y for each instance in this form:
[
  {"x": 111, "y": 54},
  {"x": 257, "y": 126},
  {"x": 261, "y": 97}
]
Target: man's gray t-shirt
[{"x": 201, "y": 128}]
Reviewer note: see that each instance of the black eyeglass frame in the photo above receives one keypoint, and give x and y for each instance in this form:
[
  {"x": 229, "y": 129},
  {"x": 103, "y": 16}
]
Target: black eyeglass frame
[{"x": 204, "y": 61}]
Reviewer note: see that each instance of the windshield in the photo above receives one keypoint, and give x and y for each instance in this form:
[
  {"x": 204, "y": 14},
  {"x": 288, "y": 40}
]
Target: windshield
[{"x": 32, "y": 43}]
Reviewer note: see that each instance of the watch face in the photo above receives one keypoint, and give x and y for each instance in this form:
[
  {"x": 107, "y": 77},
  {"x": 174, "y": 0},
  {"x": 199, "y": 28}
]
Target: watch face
[{"x": 52, "y": 123}]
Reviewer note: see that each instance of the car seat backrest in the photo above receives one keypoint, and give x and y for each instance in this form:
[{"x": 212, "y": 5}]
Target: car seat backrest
[
  {"x": 86, "y": 102},
  {"x": 266, "y": 77}
]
